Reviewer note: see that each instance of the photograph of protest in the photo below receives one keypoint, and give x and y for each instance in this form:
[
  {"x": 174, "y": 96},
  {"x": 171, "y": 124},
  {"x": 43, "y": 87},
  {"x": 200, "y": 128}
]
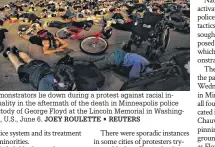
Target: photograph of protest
[{"x": 95, "y": 45}]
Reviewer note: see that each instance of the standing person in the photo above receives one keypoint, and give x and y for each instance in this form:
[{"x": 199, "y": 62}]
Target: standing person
[{"x": 39, "y": 74}]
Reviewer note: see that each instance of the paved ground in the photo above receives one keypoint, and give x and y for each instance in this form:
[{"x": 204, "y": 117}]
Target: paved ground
[{"x": 8, "y": 76}]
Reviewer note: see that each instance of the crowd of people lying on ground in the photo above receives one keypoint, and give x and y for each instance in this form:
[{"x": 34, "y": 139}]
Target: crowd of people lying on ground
[{"x": 70, "y": 73}]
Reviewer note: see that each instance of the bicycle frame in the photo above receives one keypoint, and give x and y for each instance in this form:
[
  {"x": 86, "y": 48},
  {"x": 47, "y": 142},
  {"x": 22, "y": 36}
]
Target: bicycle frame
[
  {"x": 75, "y": 32},
  {"x": 77, "y": 35}
]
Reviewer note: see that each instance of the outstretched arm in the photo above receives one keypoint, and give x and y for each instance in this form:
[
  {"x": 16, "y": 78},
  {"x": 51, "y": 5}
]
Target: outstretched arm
[
  {"x": 46, "y": 50},
  {"x": 35, "y": 27},
  {"x": 63, "y": 43}
]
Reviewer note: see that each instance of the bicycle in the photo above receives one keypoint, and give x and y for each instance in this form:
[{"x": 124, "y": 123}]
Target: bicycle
[
  {"x": 158, "y": 37},
  {"x": 168, "y": 72},
  {"x": 94, "y": 43}
]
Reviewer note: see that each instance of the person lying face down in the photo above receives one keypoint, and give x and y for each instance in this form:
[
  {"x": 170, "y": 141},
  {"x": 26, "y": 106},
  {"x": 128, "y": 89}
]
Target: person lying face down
[
  {"x": 45, "y": 39},
  {"x": 127, "y": 64},
  {"x": 31, "y": 17},
  {"x": 39, "y": 74}
]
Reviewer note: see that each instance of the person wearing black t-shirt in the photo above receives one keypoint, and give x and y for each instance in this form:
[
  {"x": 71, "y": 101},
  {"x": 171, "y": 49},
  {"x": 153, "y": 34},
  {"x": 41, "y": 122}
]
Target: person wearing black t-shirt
[{"x": 48, "y": 47}]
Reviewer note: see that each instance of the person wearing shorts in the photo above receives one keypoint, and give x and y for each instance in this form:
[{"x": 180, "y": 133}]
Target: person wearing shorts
[{"x": 38, "y": 73}]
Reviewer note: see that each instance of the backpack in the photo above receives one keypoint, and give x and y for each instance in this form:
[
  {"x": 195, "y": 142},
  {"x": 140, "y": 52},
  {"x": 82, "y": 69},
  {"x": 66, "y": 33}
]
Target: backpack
[
  {"x": 66, "y": 60},
  {"x": 44, "y": 34},
  {"x": 87, "y": 76}
]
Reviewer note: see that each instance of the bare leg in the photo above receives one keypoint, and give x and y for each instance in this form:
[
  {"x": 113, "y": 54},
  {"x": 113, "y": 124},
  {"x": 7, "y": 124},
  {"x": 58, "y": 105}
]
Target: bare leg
[
  {"x": 14, "y": 60},
  {"x": 25, "y": 57}
]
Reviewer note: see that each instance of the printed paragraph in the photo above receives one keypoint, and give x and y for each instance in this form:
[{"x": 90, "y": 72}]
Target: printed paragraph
[
  {"x": 21, "y": 137},
  {"x": 206, "y": 78},
  {"x": 141, "y": 139},
  {"x": 82, "y": 107}
]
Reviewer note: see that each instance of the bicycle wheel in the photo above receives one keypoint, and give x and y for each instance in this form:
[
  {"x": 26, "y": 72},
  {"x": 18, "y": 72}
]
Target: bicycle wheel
[
  {"x": 165, "y": 39},
  {"x": 88, "y": 46},
  {"x": 63, "y": 33}
]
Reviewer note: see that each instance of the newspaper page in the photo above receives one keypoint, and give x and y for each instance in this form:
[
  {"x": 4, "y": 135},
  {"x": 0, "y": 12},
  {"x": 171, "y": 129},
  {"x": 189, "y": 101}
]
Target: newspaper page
[{"x": 106, "y": 73}]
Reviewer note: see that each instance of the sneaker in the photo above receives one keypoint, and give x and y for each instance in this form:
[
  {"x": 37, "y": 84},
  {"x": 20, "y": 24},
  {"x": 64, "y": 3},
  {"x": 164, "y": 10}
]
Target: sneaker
[
  {"x": 5, "y": 52},
  {"x": 15, "y": 50}
]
